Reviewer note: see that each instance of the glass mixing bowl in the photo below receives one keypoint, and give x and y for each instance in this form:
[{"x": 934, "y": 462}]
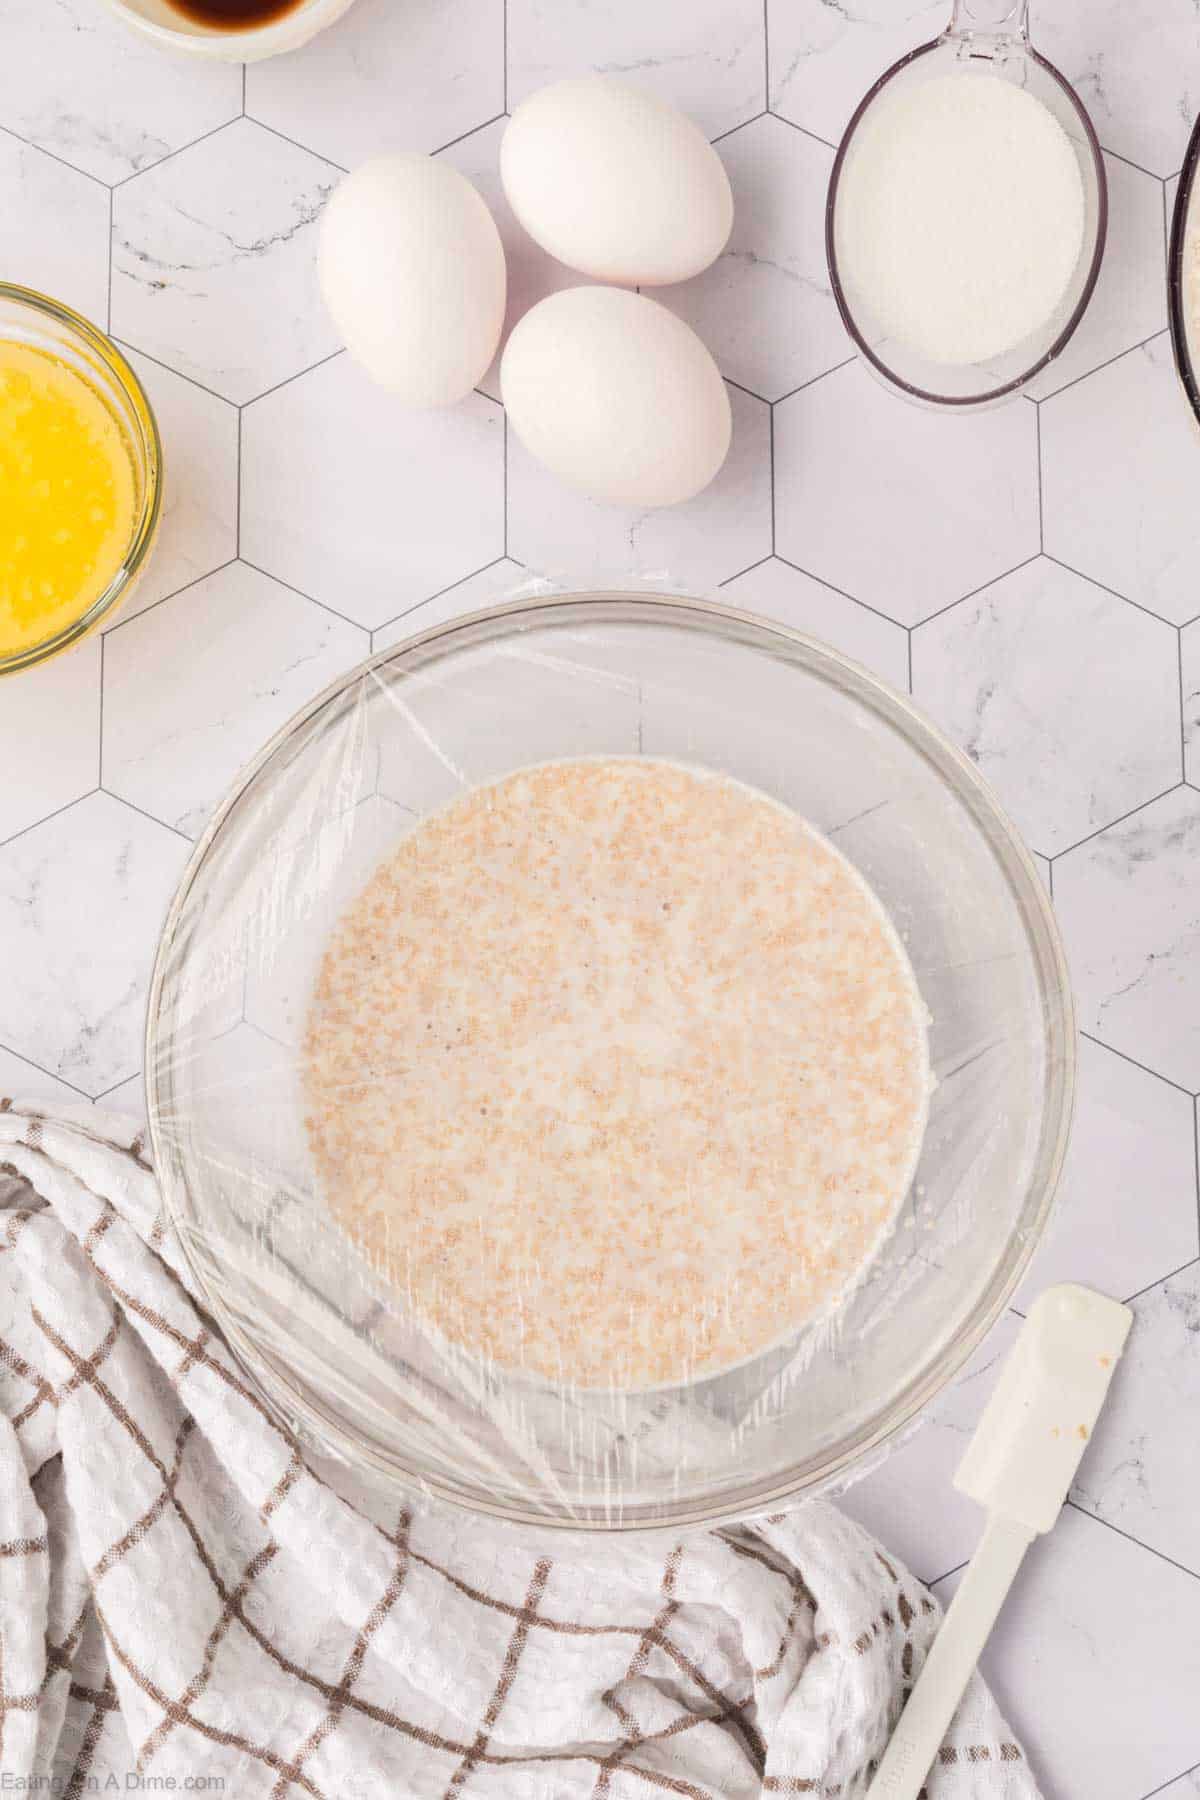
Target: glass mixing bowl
[
  {"x": 601, "y": 674},
  {"x": 990, "y": 38},
  {"x": 31, "y": 318}
]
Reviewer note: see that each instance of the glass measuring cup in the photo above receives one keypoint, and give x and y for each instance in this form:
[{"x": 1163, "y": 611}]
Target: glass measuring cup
[{"x": 988, "y": 37}]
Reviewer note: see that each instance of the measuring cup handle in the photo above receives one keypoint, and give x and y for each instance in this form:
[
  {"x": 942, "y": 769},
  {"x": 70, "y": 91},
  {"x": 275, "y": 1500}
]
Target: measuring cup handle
[{"x": 991, "y": 23}]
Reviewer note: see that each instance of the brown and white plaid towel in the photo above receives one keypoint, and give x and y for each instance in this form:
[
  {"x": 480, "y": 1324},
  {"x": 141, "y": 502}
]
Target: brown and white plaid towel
[{"x": 188, "y": 1605}]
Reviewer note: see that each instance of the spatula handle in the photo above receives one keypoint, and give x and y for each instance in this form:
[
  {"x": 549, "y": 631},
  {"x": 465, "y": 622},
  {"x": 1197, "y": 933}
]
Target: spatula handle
[{"x": 952, "y": 1656}]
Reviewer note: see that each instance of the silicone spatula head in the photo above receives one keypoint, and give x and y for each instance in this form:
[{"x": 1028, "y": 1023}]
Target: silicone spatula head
[{"x": 1035, "y": 1428}]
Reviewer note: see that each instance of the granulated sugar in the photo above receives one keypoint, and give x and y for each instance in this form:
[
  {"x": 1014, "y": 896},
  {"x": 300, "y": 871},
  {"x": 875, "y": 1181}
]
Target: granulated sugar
[
  {"x": 960, "y": 215},
  {"x": 617, "y": 1071}
]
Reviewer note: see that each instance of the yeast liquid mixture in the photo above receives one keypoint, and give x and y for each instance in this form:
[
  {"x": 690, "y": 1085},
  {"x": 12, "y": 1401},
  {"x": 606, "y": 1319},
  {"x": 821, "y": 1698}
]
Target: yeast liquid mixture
[{"x": 618, "y": 1071}]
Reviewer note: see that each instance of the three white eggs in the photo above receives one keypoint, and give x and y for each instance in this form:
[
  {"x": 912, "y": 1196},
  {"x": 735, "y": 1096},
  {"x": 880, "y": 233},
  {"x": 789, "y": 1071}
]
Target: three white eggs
[{"x": 606, "y": 387}]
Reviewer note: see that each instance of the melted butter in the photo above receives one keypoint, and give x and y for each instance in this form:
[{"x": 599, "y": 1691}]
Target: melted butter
[{"x": 67, "y": 496}]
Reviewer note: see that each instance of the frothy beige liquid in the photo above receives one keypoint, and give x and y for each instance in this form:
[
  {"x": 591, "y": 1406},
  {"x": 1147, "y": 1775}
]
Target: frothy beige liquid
[{"x": 617, "y": 1070}]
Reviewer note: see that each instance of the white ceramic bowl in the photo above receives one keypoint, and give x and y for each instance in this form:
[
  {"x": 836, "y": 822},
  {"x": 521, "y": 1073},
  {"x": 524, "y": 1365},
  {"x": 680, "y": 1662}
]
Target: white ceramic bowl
[{"x": 171, "y": 30}]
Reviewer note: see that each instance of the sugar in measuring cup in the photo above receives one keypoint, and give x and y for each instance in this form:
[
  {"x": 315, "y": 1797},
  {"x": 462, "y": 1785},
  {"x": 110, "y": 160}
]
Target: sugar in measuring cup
[{"x": 967, "y": 212}]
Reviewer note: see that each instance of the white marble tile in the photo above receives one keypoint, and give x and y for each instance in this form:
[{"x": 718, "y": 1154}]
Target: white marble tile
[
  {"x": 50, "y": 733},
  {"x": 500, "y": 581},
  {"x": 765, "y": 308},
  {"x": 1091, "y": 1659},
  {"x": 386, "y": 77},
  {"x": 198, "y": 530},
  {"x": 214, "y": 261},
  {"x": 1141, "y": 1472},
  {"x": 364, "y": 504},
  {"x": 778, "y": 591},
  {"x": 910, "y": 1501},
  {"x": 1129, "y": 303},
  {"x": 1045, "y": 670},
  {"x": 1136, "y": 67},
  {"x": 254, "y": 651},
  {"x": 906, "y": 508},
  {"x": 1189, "y": 646},
  {"x": 53, "y": 229},
  {"x": 1129, "y": 906},
  {"x": 825, "y": 57},
  {"x": 706, "y": 57},
  {"x": 531, "y": 273},
  {"x": 697, "y": 545},
  {"x": 1126, "y": 1210},
  {"x": 21, "y": 1080},
  {"x": 1120, "y": 473},
  {"x": 82, "y": 898},
  {"x": 76, "y": 81}
]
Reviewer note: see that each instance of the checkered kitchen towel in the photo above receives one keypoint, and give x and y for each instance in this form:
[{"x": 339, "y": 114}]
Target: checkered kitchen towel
[{"x": 189, "y": 1605}]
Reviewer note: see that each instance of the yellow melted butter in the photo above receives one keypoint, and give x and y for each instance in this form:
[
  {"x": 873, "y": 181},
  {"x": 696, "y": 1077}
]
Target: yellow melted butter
[{"x": 67, "y": 496}]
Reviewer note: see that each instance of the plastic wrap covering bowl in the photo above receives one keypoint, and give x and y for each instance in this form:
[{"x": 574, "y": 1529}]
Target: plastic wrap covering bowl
[{"x": 330, "y": 1343}]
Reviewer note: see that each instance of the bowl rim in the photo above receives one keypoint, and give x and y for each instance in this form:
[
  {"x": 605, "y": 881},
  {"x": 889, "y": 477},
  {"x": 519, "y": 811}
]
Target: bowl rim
[
  {"x": 151, "y": 455},
  {"x": 246, "y": 43},
  {"x": 825, "y": 1468},
  {"x": 1185, "y": 368},
  {"x": 897, "y": 382}
]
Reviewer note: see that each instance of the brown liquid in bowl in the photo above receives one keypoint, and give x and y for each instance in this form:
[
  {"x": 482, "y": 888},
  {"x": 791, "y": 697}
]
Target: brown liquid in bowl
[{"x": 234, "y": 14}]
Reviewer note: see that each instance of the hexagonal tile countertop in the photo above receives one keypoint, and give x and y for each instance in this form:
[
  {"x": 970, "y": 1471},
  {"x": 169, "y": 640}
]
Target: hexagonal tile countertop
[{"x": 1030, "y": 574}]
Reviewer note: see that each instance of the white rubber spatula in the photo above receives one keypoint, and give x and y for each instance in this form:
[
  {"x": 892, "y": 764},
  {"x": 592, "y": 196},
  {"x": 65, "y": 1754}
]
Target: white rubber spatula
[{"x": 1019, "y": 1465}]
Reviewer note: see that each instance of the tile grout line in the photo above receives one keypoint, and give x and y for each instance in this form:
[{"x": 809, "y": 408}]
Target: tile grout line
[
  {"x": 1130, "y": 350},
  {"x": 150, "y": 817},
  {"x": 287, "y": 380},
  {"x": 111, "y": 232},
  {"x": 464, "y": 135},
  {"x": 740, "y": 126},
  {"x": 50, "y": 1074},
  {"x": 237, "y": 496},
  {"x": 1142, "y": 806},
  {"x": 1170, "y": 1782},
  {"x": 407, "y": 611},
  {"x": 771, "y": 455},
  {"x": 1150, "y": 1550},
  {"x": 1125, "y": 1056},
  {"x": 854, "y": 599},
  {"x": 1037, "y": 414},
  {"x": 159, "y": 161},
  {"x": 123, "y": 343},
  {"x": 121, "y": 623},
  {"x": 100, "y": 745},
  {"x": 1052, "y": 557},
  {"x": 45, "y": 820},
  {"x": 305, "y": 149},
  {"x": 1160, "y": 1281},
  {"x": 1183, "y": 768},
  {"x": 53, "y": 156}
]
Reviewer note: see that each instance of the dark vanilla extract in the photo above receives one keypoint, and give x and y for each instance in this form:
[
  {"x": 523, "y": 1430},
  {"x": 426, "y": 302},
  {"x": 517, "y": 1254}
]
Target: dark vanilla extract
[{"x": 233, "y": 15}]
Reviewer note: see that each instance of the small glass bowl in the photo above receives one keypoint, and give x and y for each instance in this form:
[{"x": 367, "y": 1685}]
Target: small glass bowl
[{"x": 27, "y": 317}]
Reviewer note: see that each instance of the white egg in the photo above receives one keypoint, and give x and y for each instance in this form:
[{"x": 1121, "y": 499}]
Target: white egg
[
  {"x": 617, "y": 396},
  {"x": 412, "y": 270},
  {"x": 615, "y": 182}
]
